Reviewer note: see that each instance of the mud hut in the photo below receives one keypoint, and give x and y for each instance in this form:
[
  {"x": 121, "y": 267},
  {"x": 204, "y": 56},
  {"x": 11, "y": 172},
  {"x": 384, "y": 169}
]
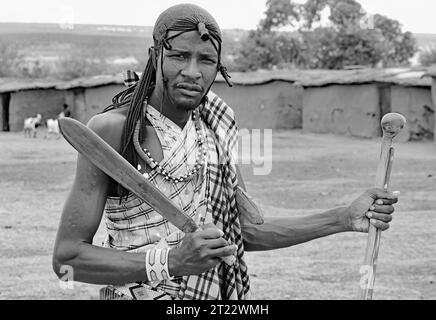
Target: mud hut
[
  {"x": 20, "y": 99},
  {"x": 432, "y": 73},
  {"x": 353, "y": 102},
  {"x": 349, "y": 102}
]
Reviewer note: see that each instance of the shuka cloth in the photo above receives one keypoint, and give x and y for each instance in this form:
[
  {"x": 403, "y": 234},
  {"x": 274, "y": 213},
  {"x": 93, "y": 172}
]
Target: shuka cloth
[{"x": 209, "y": 197}]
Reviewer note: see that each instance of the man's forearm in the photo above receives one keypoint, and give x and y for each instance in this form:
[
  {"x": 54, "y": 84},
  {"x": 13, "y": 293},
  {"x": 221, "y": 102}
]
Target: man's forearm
[
  {"x": 97, "y": 265},
  {"x": 278, "y": 233}
]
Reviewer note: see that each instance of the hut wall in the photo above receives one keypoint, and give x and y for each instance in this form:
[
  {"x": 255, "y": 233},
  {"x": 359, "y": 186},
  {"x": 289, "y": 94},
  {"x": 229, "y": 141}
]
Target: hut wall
[
  {"x": 24, "y": 104},
  {"x": 433, "y": 93},
  {"x": 416, "y": 105},
  {"x": 342, "y": 109},
  {"x": 90, "y": 101},
  {"x": 275, "y": 105}
]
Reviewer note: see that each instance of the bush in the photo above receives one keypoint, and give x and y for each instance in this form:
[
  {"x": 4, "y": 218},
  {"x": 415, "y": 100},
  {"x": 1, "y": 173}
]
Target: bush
[
  {"x": 325, "y": 48},
  {"x": 10, "y": 60},
  {"x": 33, "y": 69},
  {"x": 14, "y": 64},
  {"x": 265, "y": 50},
  {"x": 428, "y": 57},
  {"x": 81, "y": 63}
]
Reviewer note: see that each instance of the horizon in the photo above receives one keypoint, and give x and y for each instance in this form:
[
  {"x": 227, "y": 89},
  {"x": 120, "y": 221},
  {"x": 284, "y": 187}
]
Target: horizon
[
  {"x": 83, "y": 12},
  {"x": 137, "y": 26}
]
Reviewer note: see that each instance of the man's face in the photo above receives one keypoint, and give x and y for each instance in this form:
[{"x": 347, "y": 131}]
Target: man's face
[{"x": 189, "y": 68}]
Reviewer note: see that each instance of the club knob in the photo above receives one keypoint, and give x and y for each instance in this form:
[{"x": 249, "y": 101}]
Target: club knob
[{"x": 392, "y": 124}]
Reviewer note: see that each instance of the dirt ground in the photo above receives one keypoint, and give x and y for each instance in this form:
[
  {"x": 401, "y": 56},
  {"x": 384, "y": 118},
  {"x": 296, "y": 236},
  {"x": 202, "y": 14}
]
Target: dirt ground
[{"x": 310, "y": 173}]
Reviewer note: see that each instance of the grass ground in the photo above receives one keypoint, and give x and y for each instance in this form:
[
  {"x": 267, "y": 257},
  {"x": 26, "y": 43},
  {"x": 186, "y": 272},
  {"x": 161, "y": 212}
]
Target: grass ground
[{"x": 310, "y": 173}]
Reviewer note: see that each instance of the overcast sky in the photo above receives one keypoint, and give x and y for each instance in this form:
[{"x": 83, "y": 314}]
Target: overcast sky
[{"x": 416, "y": 15}]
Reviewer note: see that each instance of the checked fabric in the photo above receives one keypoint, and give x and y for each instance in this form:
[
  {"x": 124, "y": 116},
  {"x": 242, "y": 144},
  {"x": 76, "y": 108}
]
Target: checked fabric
[{"x": 212, "y": 198}]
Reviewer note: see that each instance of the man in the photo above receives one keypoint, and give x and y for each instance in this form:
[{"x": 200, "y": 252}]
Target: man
[{"x": 181, "y": 137}]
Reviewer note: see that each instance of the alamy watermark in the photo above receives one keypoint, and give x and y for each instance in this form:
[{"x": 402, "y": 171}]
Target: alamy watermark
[
  {"x": 66, "y": 281},
  {"x": 367, "y": 278},
  {"x": 255, "y": 148},
  {"x": 66, "y": 17},
  {"x": 250, "y": 147}
]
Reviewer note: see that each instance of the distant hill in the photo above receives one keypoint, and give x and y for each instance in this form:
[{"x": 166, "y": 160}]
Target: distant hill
[
  {"x": 43, "y": 45},
  {"x": 423, "y": 39},
  {"x": 78, "y": 29},
  {"x": 47, "y": 42},
  {"x": 35, "y": 30}
]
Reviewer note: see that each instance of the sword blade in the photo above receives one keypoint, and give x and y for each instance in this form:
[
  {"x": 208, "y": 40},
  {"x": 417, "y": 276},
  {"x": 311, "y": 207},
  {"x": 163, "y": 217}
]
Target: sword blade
[{"x": 108, "y": 160}]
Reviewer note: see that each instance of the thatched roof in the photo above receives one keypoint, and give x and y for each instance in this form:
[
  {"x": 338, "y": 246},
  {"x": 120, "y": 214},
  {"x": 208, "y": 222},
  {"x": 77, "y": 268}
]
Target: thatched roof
[
  {"x": 90, "y": 82},
  {"x": 13, "y": 85},
  {"x": 305, "y": 78},
  {"x": 320, "y": 78},
  {"x": 431, "y": 72}
]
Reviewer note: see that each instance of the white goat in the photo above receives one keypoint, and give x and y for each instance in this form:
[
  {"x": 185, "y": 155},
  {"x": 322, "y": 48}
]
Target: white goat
[
  {"x": 53, "y": 126},
  {"x": 30, "y": 125}
]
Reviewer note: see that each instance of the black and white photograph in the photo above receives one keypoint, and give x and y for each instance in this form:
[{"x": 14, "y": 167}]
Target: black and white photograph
[{"x": 233, "y": 150}]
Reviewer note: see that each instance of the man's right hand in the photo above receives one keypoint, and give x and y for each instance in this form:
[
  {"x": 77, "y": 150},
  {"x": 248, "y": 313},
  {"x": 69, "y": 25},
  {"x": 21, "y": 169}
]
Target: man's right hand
[{"x": 199, "y": 252}]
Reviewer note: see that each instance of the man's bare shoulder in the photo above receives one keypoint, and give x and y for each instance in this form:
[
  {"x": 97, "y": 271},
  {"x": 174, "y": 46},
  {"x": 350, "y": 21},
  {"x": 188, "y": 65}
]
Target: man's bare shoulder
[{"x": 109, "y": 126}]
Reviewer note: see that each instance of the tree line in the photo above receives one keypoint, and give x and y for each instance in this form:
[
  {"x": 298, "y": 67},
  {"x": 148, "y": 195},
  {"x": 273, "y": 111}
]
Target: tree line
[{"x": 291, "y": 35}]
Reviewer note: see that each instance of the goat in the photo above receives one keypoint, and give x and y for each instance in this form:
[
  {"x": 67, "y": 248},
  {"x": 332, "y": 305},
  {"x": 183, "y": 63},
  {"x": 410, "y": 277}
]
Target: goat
[
  {"x": 53, "y": 126},
  {"x": 30, "y": 125}
]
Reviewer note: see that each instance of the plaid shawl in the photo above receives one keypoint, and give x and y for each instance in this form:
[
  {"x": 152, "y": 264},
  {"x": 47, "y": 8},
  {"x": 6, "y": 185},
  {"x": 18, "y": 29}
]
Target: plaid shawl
[{"x": 221, "y": 183}]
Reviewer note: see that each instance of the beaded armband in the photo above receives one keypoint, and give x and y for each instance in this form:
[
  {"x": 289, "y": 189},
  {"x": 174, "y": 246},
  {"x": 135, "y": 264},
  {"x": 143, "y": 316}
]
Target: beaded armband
[{"x": 156, "y": 264}]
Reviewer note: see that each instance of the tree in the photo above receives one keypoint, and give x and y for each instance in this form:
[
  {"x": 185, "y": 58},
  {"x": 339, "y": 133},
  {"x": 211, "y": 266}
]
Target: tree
[
  {"x": 400, "y": 47},
  {"x": 326, "y": 49},
  {"x": 280, "y": 13},
  {"x": 10, "y": 59},
  {"x": 345, "y": 14},
  {"x": 345, "y": 42},
  {"x": 428, "y": 57},
  {"x": 266, "y": 50},
  {"x": 311, "y": 12}
]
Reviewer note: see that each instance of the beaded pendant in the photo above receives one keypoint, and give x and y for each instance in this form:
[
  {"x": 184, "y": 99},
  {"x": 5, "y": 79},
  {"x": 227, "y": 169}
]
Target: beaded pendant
[{"x": 145, "y": 154}]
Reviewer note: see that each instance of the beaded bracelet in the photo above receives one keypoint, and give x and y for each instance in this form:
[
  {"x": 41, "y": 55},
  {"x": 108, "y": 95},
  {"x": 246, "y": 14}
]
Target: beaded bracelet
[{"x": 156, "y": 264}]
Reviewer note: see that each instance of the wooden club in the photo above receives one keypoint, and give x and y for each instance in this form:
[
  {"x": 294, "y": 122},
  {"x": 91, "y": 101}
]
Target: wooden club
[{"x": 392, "y": 124}]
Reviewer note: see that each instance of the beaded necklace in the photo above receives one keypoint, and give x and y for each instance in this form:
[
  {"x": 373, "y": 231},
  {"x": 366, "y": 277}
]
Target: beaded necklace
[{"x": 145, "y": 154}]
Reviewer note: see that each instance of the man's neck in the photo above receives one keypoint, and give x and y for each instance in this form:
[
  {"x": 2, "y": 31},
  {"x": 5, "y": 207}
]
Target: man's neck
[
  {"x": 177, "y": 115},
  {"x": 178, "y": 118}
]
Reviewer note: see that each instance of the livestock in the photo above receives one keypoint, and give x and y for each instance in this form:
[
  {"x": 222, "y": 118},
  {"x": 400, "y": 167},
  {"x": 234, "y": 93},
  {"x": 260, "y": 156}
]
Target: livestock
[
  {"x": 53, "y": 126},
  {"x": 30, "y": 125}
]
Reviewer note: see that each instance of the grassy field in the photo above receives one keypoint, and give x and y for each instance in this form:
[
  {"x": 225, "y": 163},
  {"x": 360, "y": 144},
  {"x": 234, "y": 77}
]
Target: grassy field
[{"x": 310, "y": 173}]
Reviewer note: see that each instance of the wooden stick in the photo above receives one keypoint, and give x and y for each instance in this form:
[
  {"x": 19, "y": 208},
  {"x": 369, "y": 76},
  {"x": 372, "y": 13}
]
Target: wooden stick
[{"x": 392, "y": 124}]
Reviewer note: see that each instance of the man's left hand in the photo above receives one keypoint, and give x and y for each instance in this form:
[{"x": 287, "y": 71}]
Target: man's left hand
[{"x": 374, "y": 206}]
